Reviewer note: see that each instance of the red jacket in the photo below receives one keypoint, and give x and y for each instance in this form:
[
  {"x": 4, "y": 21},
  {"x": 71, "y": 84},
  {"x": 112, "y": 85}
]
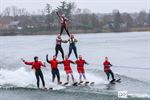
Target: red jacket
[
  {"x": 107, "y": 66},
  {"x": 35, "y": 65},
  {"x": 67, "y": 64},
  {"x": 54, "y": 64}
]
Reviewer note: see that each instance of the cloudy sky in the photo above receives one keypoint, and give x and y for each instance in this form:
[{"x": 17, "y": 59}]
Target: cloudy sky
[{"x": 99, "y": 6}]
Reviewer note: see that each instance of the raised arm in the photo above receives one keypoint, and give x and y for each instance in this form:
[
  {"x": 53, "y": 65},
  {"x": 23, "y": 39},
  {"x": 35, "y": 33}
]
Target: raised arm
[
  {"x": 47, "y": 58},
  {"x": 58, "y": 15}
]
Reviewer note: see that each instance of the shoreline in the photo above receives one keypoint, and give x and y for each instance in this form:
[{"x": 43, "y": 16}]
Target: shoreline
[{"x": 79, "y": 32}]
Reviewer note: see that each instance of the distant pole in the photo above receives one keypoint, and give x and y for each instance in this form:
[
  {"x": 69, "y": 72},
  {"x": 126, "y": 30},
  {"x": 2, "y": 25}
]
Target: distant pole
[{"x": 0, "y": 7}]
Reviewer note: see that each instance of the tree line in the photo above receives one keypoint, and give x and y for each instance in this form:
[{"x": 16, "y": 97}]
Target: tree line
[{"x": 80, "y": 20}]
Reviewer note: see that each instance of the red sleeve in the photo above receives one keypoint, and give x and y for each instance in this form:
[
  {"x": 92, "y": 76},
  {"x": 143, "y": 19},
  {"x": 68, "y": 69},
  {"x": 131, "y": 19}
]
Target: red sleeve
[
  {"x": 41, "y": 63},
  {"x": 28, "y": 63},
  {"x": 76, "y": 61}
]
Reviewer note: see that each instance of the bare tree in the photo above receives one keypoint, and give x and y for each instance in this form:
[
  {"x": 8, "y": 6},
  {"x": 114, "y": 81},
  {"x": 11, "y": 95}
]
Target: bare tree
[
  {"x": 7, "y": 11},
  {"x": 141, "y": 19},
  {"x": 14, "y": 11}
]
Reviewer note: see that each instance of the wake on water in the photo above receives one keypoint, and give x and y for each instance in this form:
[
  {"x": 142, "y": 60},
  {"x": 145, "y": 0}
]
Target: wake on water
[
  {"x": 26, "y": 78},
  {"x": 23, "y": 78}
]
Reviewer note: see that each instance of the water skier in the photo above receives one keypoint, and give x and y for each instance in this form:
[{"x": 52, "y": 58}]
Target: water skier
[
  {"x": 54, "y": 68},
  {"x": 80, "y": 68},
  {"x": 36, "y": 64},
  {"x": 107, "y": 69}
]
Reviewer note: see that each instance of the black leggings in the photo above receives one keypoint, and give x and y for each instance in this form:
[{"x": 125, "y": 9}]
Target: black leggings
[
  {"x": 55, "y": 72},
  {"x": 66, "y": 29},
  {"x": 108, "y": 73},
  {"x": 39, "y": 74},
  {"x": 73, "y": 47},
  {"x": 59, "y": 48}
]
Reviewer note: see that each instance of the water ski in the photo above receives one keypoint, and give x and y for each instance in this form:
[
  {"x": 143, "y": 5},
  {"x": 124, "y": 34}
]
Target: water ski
[
  {"x": 59, "y": 83},
  {"x": 75, "y": 84},
  {"x": 66, "y": 83},
  {"x": 86, "y": 83},
  {"x": 118, "y": 80},
  {"x": 115, "y": 80},
  {"x": 50, "y": 88},
  {"x": 92, "y": 83},
  {"x": 89, "y": 83},
  {"x": 80, "y": 82}
]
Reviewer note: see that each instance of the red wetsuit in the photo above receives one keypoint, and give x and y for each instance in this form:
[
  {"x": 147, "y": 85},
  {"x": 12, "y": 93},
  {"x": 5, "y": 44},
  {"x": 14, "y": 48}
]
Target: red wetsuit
[
  {"x": 80, "y": 65},
  {"x": 35, "y": 65},
  {"x": 107, "y": 66},
  {"x": 67, "y": 67}
]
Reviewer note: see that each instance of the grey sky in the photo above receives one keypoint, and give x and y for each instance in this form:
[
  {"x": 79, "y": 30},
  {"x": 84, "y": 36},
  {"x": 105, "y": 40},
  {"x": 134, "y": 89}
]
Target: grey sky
[{"x": 101, "y": 6}]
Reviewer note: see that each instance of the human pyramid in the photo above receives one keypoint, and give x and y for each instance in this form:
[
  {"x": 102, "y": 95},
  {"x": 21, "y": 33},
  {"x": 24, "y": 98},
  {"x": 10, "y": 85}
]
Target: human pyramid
[
  {"x": 66, "y": 61},
  {"x": 36, "y": 64}
]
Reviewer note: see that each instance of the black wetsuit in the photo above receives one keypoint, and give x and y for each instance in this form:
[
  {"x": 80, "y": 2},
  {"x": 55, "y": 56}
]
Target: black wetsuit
[
  {"x": 66, "y": 29},
  {"x": 108, "y": 73},
  {"x": 59, "y": 48},
  {"x": 55, "y": 72},
  {"x": 72, "y": 46},
  {"x": 39, "y": 74}
]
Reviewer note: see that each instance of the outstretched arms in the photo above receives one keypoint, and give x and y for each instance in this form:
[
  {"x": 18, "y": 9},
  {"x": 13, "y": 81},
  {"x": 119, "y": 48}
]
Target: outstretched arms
[
  {"x": 86, "y": 63},
  {"x": 64, "y": 41},
  {"x": 27, "y": 63},
  {"x": 72, "y": 62},
  {"x": 60, "y": 62},
  {"x": 22, "y": 60}
]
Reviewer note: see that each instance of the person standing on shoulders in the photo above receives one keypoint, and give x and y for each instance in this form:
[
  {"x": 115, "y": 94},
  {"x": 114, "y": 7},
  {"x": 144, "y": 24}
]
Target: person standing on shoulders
[
  {"x": 64, "y": 23},
  {"x": 58, "y": 46},
  {"x": 72, "y": 46}
]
